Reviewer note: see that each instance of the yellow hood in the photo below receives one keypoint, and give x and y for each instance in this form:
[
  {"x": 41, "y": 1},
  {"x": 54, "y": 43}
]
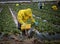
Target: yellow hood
[{"x": 28, "y": 12}]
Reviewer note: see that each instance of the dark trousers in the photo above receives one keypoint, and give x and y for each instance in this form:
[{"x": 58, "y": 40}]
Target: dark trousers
[{"x": 19, "y": 27}]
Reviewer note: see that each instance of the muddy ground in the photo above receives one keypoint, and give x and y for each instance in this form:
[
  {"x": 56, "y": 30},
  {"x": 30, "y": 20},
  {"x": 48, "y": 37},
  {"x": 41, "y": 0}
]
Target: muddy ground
[{"x": 5, "y": 40}]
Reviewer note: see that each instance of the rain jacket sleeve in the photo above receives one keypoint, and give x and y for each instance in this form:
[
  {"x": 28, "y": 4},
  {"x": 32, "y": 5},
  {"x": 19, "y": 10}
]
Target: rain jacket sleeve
[
  {"x": 33, "y": 20},
  {"x": 19, "y": 17}
]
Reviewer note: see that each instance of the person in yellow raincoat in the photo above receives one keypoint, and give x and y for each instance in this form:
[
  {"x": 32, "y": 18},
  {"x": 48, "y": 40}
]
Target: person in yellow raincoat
[
  {"x": 54, "y": 7},
  {"x": 23, "y": 16}
]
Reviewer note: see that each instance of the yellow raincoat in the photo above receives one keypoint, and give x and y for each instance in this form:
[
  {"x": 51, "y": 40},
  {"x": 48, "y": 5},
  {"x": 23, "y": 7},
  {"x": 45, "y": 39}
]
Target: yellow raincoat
[
  {"x": 54, "y": 7},
  {"x": 24, "y": 15}
]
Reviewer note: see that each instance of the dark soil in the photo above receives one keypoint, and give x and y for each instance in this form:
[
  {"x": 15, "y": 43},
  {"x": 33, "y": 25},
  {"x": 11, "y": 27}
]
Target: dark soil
[{"x": 6, "y": 40}]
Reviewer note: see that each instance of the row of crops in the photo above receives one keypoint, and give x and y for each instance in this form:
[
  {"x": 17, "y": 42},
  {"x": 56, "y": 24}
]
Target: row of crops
[
  {"x": 47, "y": 18},
  {"x": 7, "y": 25}
]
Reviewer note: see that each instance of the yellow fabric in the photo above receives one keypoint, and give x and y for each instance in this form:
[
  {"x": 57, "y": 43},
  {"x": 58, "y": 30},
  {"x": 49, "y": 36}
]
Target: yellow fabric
[
  {"x": 26, "y": 27},
  {"x": 54, "y": 7},
  {"x": 24, "y": 15}
]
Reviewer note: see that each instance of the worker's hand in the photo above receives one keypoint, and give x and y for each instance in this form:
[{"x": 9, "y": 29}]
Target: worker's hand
[{"x": 36, "y": 23}]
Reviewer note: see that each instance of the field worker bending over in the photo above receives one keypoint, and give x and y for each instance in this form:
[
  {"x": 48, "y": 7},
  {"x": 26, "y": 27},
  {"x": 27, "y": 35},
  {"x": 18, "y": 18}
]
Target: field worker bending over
[{"x": 23, "y": 16}]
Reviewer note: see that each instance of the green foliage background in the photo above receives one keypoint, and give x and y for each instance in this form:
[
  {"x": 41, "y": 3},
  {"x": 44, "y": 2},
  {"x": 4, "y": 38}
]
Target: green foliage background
[
  {"x": 52, "y": 18},
  {"x": 7, "y": 25}
]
